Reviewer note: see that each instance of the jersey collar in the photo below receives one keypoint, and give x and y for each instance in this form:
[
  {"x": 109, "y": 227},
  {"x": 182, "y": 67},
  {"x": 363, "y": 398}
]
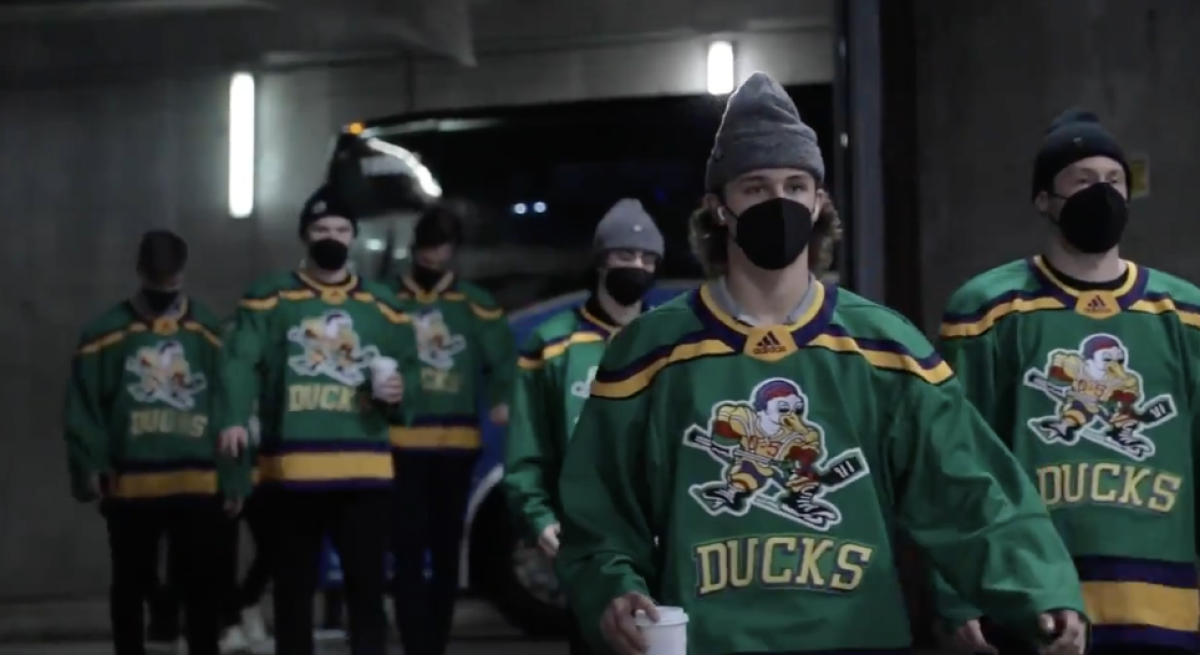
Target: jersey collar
[
  {"x": 430, "y": 295},
  {"x": 1090, "y": 302},
  {"x": 807, "y": 325}
]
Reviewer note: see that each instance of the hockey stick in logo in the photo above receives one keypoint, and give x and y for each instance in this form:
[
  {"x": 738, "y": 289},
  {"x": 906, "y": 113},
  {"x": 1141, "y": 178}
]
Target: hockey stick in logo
[
  {"x": 1042, "y": 383},
  {"x": 834, "y": 474},
  {"x": 1148, "y": 414}
]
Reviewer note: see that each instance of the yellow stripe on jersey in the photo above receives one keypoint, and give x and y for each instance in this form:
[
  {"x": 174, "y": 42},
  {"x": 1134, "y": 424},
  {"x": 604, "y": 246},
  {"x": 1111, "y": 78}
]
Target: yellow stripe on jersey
[
  {"x": 976, "y": 324},
  {"x": 556, "y": 348},
  {"x": 636, "y": 379},
  {"x": 888, "y": 355},
  {"x": 1141, "y": 603}
]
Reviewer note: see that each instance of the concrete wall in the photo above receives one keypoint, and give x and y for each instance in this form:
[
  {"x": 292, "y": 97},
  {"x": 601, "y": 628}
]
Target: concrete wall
[
  {"x": 84, "y": 169},
  {"x": 992, "y": 75}
]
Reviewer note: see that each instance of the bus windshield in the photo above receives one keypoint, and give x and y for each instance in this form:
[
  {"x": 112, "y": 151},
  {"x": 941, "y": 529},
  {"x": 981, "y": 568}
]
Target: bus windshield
[{"x": 531, "y": 183}]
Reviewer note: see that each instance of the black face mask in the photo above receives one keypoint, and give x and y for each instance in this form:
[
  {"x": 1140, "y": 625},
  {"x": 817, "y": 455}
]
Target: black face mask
[
  {"x": 159, "y": 301},
  {"x": 774, "y": 233},
  {"x": 627, "y": 285},
  {"x": 426, "y": 277},
  {"x": 328, "y": 254},
  {"x": 1094, "y": 219}
]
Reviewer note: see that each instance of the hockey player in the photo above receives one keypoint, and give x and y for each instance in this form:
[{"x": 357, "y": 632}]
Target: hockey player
[
  {"x": 312, "y": 338},
  {"x": 749, "y": 450},
  {"x": 1085, "y": 364},
  {"x": 556, "y": 367},
  {"x": 463, "y": 339},
  {"x": 141, "y": 426}
]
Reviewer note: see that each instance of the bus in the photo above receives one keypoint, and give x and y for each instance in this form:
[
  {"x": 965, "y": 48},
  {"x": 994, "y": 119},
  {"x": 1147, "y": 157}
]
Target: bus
[{"x": 531, "y": 183}]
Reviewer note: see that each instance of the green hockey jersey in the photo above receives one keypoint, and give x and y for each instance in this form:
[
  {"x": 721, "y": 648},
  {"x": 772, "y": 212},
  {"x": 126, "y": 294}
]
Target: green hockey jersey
[
  {"x": 304, "y": 350},
  {"x": 1095, "y": 392},
  {"x": 463, "y": 339},
  {"x": 756, "y": 477},
  {"x": 141, "y": 404},
  {"x": 554, "y": 373}
]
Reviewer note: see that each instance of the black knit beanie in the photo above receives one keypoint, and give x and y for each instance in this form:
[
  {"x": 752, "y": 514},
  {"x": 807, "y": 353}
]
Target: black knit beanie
[
  {"x": 323, "y": 203},
  {"x": 1076, "y": 134}
]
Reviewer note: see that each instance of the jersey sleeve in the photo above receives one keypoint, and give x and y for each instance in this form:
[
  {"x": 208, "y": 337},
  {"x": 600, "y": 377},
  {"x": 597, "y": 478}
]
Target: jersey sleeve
[
  {"x": 86, "y": 417},
  {"x": 968, "y": 344},
  {"x": 243, "y": 353},
  {"x": 607, "y": 541},
  {"x": 497, "y": 346},
  {"x": 233, "y": 480},
  {"x": 531, "y": 464},
  {"x": 968, "y": 504}
]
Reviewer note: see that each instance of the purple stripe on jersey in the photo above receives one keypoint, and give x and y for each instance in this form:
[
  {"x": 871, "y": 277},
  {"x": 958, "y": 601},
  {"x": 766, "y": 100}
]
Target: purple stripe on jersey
[
  {"x": 648, "y": 359},
  {"x": 978, "y": 314},
  {"x": 349, "y": 484},
  {"x": 447, "y": 421},
  {"x": 1121, "y": 569},
  {"x": 1144, "y": 635},
  {"x": 927, "y": 362}
]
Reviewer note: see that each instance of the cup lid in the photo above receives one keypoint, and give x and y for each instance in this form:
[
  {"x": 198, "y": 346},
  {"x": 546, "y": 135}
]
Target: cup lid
[{"x": 667, "y": 615}]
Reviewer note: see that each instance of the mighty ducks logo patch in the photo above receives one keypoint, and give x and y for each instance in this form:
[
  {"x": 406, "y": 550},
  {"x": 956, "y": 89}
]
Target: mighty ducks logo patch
[
  {"x": 1098, "y": 397},
  {"x": 436, "y": 346},
  {"x": 164, "y": 375},
  {"x": 773, "y": 458},
  {"x": 331, "y": 348}
]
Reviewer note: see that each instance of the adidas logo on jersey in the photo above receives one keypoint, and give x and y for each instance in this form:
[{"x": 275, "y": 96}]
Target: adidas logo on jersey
[
  {"x": 768, "y": 345},
  {"x": 1097, "y": 305}
]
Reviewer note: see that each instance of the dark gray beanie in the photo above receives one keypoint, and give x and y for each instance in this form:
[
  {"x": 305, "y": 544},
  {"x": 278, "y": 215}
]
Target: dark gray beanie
[
  {"x": 761, "y": 129},
  {"x": 627, "y": 226}
]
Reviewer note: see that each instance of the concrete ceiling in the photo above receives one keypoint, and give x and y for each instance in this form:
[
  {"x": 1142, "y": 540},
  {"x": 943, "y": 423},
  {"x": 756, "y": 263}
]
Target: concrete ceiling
[{"x": 40, "y": 39}]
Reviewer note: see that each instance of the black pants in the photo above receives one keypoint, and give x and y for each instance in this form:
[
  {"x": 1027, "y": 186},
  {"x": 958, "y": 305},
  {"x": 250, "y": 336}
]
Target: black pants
[
  {"x": 163, "y": 599},
  {"x": 193, "y": 529},
  {"x": 1008, "y": 645},
  {"x": 576, "y": 643},
  {"x": 356, "y": 523},
  {"x": 248, "y": 592},
  {"x": 429, "y": 506}
]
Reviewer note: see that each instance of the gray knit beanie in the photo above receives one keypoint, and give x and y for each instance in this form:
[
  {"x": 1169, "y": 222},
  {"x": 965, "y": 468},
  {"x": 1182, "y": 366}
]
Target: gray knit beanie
[
  {"x": 761, "y": 129},
  {"x": 627, "y": 226}
]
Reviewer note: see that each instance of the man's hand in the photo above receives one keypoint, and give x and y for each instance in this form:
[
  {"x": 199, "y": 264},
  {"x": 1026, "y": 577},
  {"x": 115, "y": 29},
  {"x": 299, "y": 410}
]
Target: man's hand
[
  {"x": 548, "y": 540},
  {"x": 968, "y": 638},
  {"x": 499, "y": 414},
  {"x": 96, "y": 486},
  {"x": 391, "y": 390},
  {"x": 233, "y": 441},
  {"x": 233, "y": 507},
  {"x": 619, "y": 627},
  {"x": 1069, "y": 631}
]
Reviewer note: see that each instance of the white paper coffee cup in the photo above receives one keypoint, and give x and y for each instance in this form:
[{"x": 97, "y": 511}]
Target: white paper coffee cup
[
  {"x": 382, "y": 369},
  {"x": 668, "y": 636}
]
